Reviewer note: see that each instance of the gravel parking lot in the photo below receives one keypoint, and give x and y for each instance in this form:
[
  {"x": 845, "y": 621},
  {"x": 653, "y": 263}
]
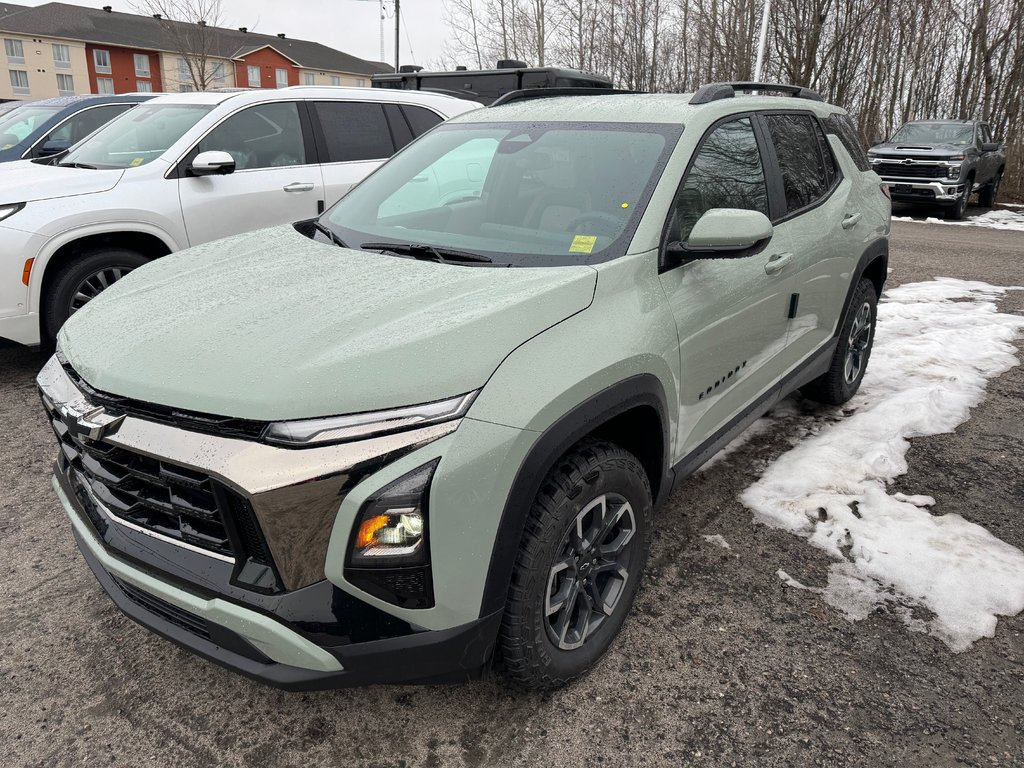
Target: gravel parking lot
[{"x": 720, "y": 663}]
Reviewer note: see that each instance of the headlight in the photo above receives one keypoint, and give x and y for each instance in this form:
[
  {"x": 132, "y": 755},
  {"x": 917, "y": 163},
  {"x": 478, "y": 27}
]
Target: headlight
[
  {"x": 10, "y": 210},
  {"x": 339, "y": 429},
  {"x": 388, "y": 554}
]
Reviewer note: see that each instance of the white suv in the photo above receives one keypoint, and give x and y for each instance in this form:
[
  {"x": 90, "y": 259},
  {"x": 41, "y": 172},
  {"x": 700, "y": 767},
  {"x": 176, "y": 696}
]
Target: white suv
[{"x": 181, "y": 170}]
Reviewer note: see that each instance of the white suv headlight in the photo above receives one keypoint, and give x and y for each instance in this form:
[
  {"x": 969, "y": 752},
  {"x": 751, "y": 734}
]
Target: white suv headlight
[{"x": 359, "y": 426}]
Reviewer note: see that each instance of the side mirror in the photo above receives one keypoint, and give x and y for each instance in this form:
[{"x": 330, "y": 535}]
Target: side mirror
[
  {"x": 990, "y": 146},
  {"x": 724, "y": 233},
  {"x": 212, "y": 163},
  {"x": 53, "y": 147}
]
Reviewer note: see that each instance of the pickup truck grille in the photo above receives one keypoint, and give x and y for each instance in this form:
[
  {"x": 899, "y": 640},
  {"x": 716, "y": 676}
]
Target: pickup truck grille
[
  {"x": 901, "y": 171},
  {"x": 177, "y": 503}
]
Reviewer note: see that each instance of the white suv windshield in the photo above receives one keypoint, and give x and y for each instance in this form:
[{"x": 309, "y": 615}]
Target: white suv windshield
[
  {"x": 138, "y": 136},
  {"x": 521, "y": 193},
  {"x": 935, "y": 133}
]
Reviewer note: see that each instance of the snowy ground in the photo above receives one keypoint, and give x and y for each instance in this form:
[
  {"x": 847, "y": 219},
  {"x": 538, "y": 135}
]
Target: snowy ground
[
  {"x": 995, "y": 219},
  {"x": 938, "y": 344}
]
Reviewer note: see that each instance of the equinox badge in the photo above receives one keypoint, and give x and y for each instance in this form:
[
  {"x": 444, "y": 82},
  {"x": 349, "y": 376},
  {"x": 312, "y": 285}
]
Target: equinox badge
[{"x": 86, "y": 423}]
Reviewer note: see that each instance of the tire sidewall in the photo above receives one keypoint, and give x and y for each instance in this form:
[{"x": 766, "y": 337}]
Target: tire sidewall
[
  {"x": 865, "y": 294},
  {"x": 58, "y": 301}
]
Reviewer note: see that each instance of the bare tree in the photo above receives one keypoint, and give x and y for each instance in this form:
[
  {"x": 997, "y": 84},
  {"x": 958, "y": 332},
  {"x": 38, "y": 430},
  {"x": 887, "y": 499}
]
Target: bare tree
[{"x": 192, "y": 30}]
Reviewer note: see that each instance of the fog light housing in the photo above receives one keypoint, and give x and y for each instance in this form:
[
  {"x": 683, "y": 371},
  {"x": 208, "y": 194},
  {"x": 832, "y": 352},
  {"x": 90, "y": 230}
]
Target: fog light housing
[{"x": 389, "y": 554}]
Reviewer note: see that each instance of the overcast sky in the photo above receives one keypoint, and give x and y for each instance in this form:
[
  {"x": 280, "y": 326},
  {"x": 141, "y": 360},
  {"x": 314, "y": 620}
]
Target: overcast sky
[{"x": 352, "y": 26}]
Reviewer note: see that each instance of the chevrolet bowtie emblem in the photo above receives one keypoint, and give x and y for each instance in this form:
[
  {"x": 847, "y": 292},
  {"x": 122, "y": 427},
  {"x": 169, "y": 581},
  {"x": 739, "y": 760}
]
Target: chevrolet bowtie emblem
[
  {"x": 93, "y": 423},
  {"x": 908, "y": 161}
]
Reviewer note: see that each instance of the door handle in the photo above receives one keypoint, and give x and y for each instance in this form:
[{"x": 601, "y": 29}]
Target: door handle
[
  {"x": 851, "y": 220},
  {"x": 298, "y": 186},
  {"x": 777, "y": 263}
]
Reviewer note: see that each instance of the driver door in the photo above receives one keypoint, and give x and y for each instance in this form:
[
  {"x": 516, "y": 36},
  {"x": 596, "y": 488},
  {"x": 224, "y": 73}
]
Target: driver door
[
  {"x": 731, "y": 313},
  {"x": 276, "y": 179}
]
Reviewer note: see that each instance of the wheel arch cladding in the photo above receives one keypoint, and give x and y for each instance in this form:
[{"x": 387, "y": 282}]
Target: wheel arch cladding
[
  {"x": 632, "y": 414},
  {"x": 873, "y": 265}
]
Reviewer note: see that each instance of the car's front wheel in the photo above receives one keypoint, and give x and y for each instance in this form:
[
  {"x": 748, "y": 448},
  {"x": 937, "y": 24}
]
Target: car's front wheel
[
  {"x": 956, "y": 211},
  {"x": 81, "y": 280},
  {"x": 579, "y": 565}
]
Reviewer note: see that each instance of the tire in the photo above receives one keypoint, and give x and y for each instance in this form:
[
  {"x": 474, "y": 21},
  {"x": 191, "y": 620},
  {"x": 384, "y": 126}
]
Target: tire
[
  {"x": 82, "y": 279},
  {"x": 987, "y": 196},
  {"x": 956, "y": 211},
  {"x": 850, "y": 360},
  {"x": 595, "y": 481}
]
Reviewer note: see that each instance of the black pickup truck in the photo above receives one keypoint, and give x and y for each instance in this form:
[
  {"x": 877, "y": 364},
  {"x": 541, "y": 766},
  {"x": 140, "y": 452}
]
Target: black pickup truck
[{"x": 941, "y": 162}]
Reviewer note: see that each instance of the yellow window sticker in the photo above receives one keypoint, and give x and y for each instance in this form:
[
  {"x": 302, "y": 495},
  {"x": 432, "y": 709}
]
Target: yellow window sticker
[
  {"x": 583, "y": 244},
  {"x": 137, "y": 161}
]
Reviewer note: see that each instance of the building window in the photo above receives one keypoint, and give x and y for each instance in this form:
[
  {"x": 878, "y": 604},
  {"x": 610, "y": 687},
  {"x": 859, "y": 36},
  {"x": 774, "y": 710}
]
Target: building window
[
  {"x": 185, "y": 88},
  {"x": 308, "y": 78},
  {"x": 61, "y": 56},
  {"x": 360, "y": 83},
  {"x": 15, "y": 51},
  {"x": 254, "y": 76},
  {"x": 217, "y": 72},
  {"x": 141, "y": 65},
  {"x": 101, "y": 59},
  {"x": 19, "y": 82},
  {"x": 65, "y": 85},
  {"x": 104, "y": 85},
  {"x": 335, "y": 80},
  {"x": 282, "y": 77},
  {"x": 143, "y": 86}
]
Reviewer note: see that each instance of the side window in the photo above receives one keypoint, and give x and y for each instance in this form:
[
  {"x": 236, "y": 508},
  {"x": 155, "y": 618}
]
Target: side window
[
  {"x": 986, "y": 134},
  {"x": 804, "y": 176},
  {"x": 727, "y": 172},
  {"x": 265, "y": 136},
  {"x": 831, "y": 170},
  {"x": 420, "y": 120},
  {"x": 842, "y": 127},
  {"x": 84, "y": 123},
  {"x": 354, "y": 131}
]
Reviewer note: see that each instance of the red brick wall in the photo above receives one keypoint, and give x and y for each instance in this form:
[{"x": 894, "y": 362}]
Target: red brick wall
[
  {"x": 268, "y": 60},
  {"x": 122, "y": 68}
]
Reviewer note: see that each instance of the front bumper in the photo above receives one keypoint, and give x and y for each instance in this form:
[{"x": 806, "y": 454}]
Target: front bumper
[
  {"x": 263, "y": 648},
  {"x": 924, "y": 191}
]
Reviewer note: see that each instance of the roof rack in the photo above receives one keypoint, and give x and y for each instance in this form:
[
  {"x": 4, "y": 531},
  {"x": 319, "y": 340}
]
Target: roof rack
[
  {"x": 543, "y": 93},
  {"x": 715, "y": 91}
]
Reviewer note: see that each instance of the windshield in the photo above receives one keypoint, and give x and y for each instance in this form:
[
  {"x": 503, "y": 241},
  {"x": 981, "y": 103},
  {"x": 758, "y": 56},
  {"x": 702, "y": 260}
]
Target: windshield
[
  {"x": 935, "y": 133},
  {"x": 137, "y": 137},
  {"x": 21, "y": 122},
  {"x": 526, "y": 194}
]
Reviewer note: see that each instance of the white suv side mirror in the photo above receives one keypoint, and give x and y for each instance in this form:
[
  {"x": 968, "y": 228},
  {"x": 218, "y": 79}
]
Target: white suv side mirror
[{"x": 212, "y": 163}]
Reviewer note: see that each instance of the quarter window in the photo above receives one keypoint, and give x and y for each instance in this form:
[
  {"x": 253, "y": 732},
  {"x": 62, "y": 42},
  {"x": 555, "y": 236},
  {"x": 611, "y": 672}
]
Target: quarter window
[
  {"x": 265, "y": 136},
  {"x": 15, "y": 51},
  {"x": 805, "y": 176},
  {"x": 254, "y": 76},
  {"x": 61, "y": 56},
  {"x": 141, "y": 65},
  {"x": 65, "y": 85},
  {"x": 420, "y": 120},
  {"x": 354, "y": 131},
  {"x": 101, "y": 60},
  {"x": 104, "y": 85},
  {"x": 727, "y": 172},
  {"x": 19, "y": 81}
]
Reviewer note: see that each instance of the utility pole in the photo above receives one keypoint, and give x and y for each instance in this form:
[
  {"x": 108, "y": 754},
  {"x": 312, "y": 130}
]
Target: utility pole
[
  {"x": 397, "y": 27},
  {"x": 761, "y": 42}
]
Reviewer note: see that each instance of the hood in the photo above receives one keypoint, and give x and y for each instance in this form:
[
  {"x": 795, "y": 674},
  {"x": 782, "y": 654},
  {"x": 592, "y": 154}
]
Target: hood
[
  {"x": 23, "y": 181},
  {"x": 272, "y": 325},
  {"x": 906, "y": 149}
]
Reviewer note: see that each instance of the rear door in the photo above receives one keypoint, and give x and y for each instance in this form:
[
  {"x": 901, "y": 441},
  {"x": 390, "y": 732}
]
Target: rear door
[
  {"x": 276, "y": 179},
  {"x": 822, "y": 222}
]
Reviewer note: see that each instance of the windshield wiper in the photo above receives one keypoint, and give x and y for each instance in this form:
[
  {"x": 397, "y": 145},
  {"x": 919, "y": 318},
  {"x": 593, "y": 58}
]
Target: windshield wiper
[
  {"x": 429, "y": 252},
  {"x": 77, "y": 165},
  {"x": 325, "y": 230}
]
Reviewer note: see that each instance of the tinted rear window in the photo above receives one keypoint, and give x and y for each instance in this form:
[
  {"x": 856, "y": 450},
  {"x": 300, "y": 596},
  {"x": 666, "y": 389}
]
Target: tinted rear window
[
  {"x": 420, "y": 120},
  {"x": 354, "y": 131},
  {"x": 804, "y": 174}
]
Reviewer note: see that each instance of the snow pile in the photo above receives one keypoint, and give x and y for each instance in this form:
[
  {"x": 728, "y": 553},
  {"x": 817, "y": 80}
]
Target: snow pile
[
  {"x": 997, "y": 219},
  {"x": 938, "y": 343}
]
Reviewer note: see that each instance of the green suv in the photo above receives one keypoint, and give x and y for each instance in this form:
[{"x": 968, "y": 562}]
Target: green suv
[{"x": 428, "y": 431}]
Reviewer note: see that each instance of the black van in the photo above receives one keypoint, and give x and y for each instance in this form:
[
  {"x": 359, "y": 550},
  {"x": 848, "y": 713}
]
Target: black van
[{"x": 486, "y": 85}]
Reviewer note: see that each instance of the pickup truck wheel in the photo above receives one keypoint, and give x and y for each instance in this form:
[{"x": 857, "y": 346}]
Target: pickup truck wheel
[
  {"x": 850, "y": 360},
  {"x": 987, "y": 196},
  {"x": 956, "y": 211},
  {"x": 579, "y": 566},
  {"x": 79, "y": 281}
]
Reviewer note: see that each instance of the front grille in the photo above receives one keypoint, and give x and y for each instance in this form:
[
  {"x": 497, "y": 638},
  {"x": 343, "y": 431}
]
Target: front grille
[
  {"x": 166, "y": 611},
  {"x": 173, "y": 501},
  {"x": 898, "y": 170}
]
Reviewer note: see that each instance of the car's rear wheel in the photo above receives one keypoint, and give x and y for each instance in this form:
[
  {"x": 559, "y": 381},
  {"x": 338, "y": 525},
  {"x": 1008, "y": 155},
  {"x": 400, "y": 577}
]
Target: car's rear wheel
[
  {"x": 850, "y": 359},
  {"x": 579, "y": 565},
  {"x": 81, "y": 280},
  {"x": 987, "y": 196}
]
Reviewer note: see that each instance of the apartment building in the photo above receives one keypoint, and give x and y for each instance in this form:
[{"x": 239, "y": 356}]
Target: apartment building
[{"x": 62, "y": 49}]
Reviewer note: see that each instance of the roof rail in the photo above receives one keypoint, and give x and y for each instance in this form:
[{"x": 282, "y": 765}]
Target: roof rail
[
  {"x": 543, "y": 93},
  {"x": 715, "y": 91}
]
